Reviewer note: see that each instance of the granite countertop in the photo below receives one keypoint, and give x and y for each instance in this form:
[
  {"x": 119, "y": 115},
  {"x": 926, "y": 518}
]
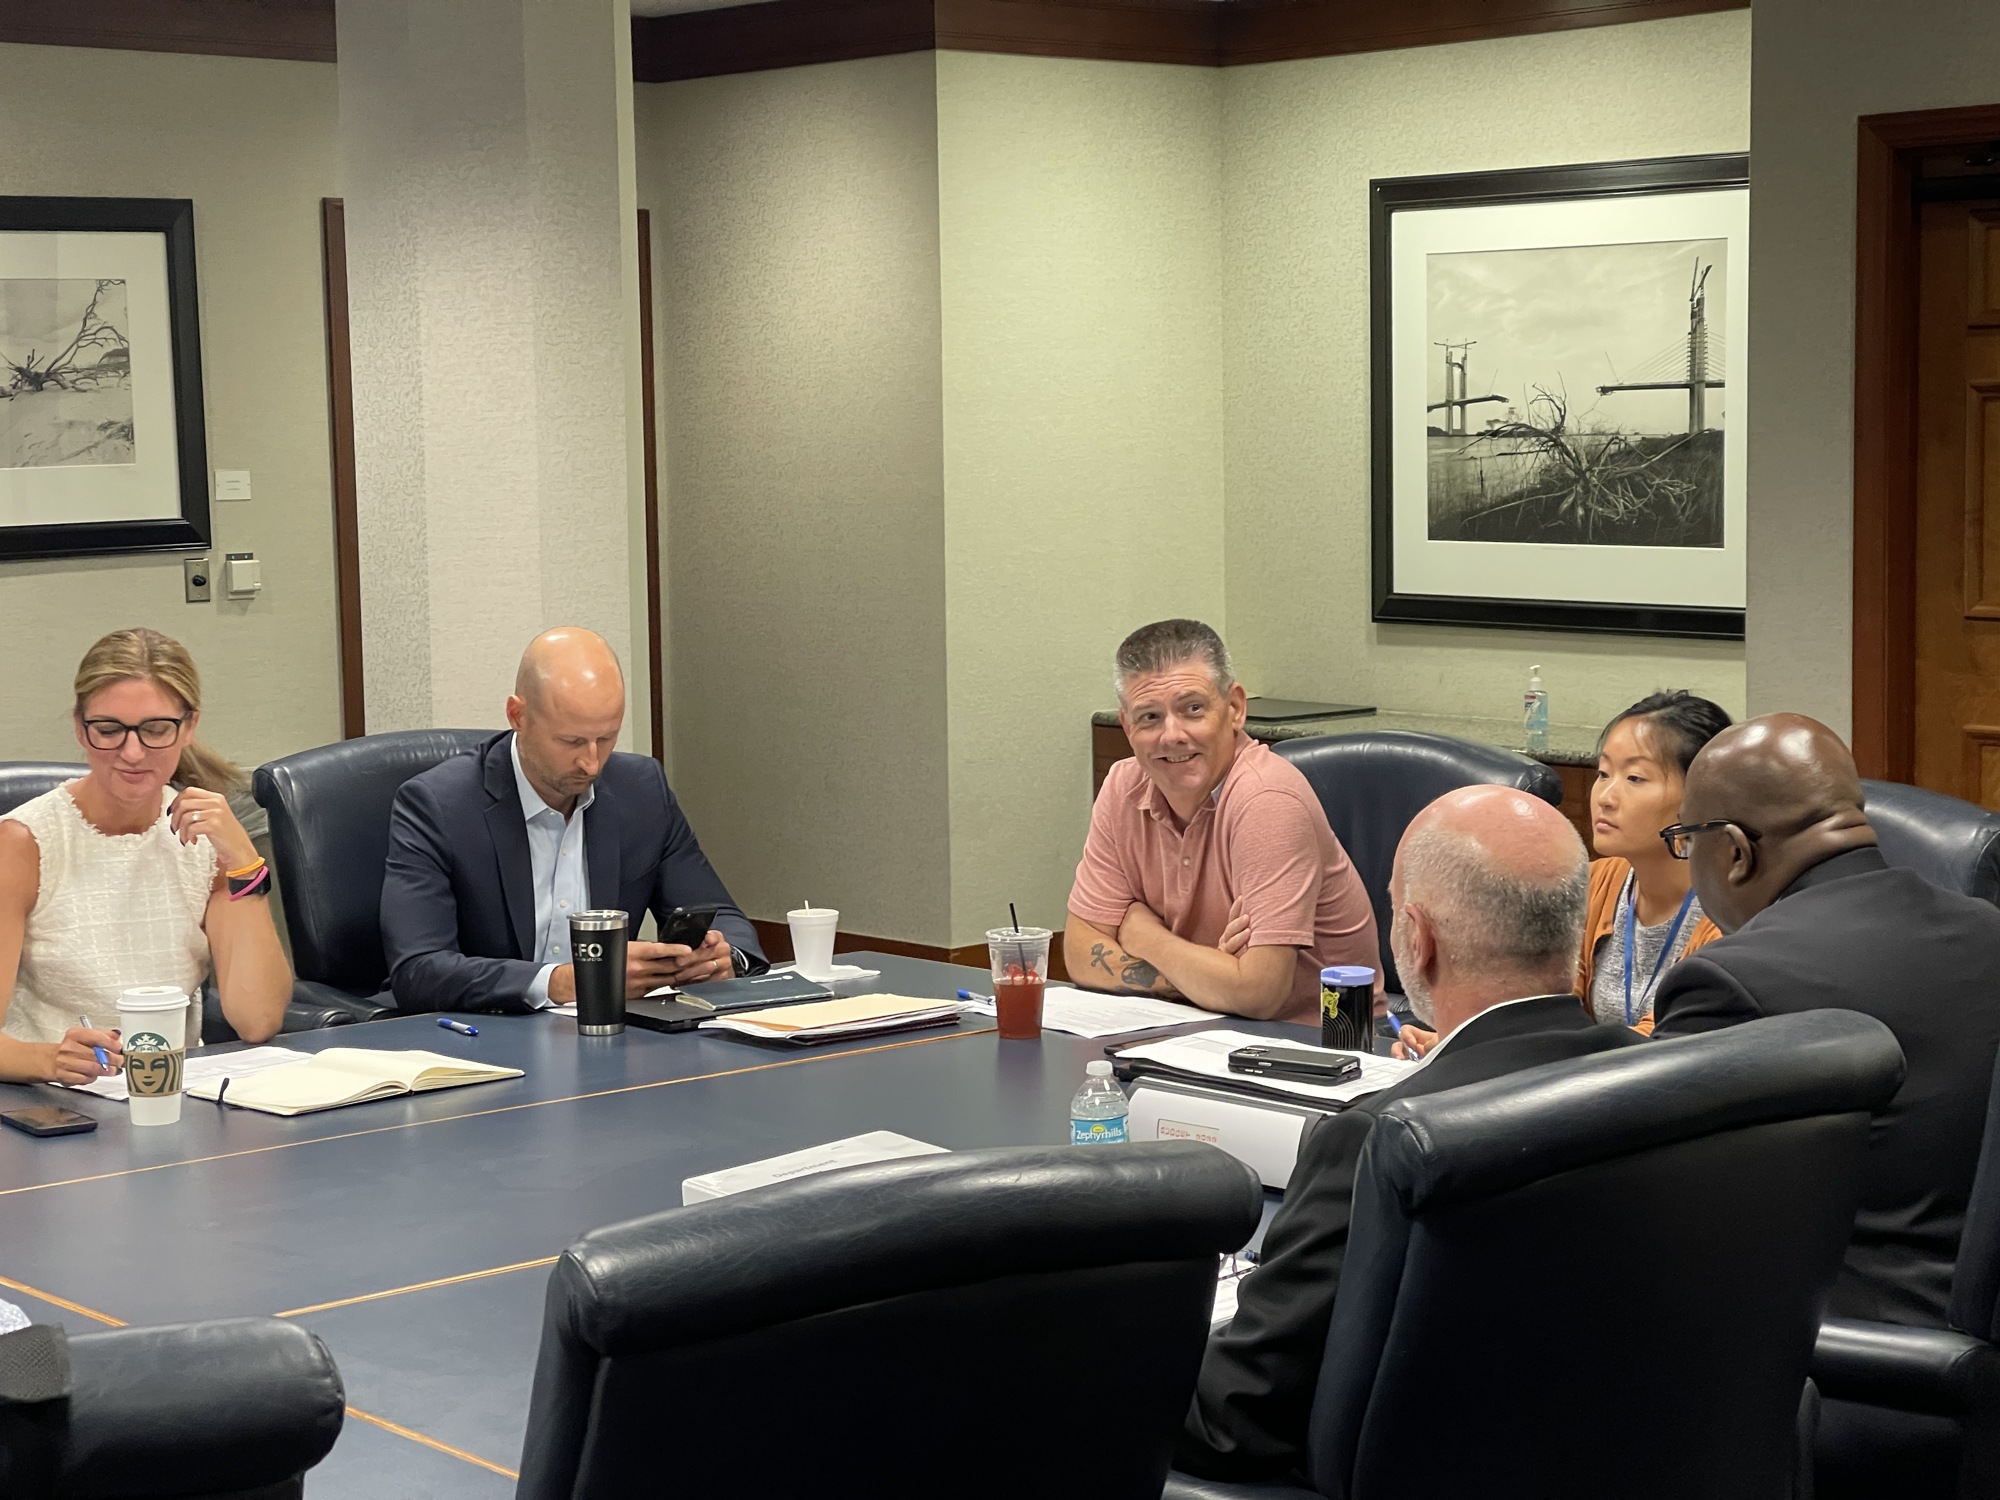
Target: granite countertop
[{"x": 1569, "y": 744}]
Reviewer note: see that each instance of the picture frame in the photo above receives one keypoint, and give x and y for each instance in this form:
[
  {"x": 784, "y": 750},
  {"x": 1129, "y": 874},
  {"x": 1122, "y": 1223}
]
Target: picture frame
[
  {"x": 1584, "y": 470},
  {"x": 103, "y": 446}
]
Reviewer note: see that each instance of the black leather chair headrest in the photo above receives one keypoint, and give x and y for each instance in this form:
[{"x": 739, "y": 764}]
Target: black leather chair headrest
[
  {"x": 23, "y": 780},
  {"x": 1950, "y": 843},
  {"x": 1489, "y": 1137},
  {"x": 798, "y": 1249}
]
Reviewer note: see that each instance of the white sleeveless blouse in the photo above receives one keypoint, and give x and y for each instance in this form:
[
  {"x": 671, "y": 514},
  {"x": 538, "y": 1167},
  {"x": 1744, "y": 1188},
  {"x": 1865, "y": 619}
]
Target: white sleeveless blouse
[{"x": 114, "y": 911}]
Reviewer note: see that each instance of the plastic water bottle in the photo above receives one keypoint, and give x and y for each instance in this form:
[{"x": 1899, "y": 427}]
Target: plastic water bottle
[
  {"x": 1535, "y": 713},
  {"x": 1097, "y": 1113}
]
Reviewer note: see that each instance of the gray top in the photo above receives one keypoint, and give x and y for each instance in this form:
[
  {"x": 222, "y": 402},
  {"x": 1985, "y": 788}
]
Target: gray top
[
  {"x": 1569, "y": 744},
  {"x": 1607, "y": 965}
]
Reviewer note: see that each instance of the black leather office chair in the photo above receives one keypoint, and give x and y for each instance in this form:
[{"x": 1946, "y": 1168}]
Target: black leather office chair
[
  {"x": 329, "y": 810},
  {"x": 1597, "y": 1278},
  {"x": 1950, "y": 843},
  {"x": 311, "y": 1007},
  {"x": 229, "y": 1410},
  {"x": 987, "y": 1323},
  {"x": 1915, "y": 1412},
  {"x": 24, "y": 780},
  {"x": 1372, "y": 785}
]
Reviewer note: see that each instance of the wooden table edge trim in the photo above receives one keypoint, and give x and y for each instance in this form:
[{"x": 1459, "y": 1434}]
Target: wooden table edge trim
[{"x": 430, "y": 1442}]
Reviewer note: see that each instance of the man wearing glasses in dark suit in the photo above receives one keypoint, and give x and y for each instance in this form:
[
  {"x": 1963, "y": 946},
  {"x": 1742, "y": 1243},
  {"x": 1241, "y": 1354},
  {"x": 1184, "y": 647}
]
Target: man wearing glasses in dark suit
[{"x": 1785, "y": 863}]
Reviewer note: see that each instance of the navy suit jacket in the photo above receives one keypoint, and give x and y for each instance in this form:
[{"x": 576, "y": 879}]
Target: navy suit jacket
[{"x": 458, "y": 898}]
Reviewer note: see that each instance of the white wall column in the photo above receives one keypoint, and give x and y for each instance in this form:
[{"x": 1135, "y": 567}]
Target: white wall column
[{"x": 487, "y": 160}]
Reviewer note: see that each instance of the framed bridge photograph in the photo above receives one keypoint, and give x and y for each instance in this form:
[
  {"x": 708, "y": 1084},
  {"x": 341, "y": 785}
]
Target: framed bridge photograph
[
  {"x": 102, "y": 440},
  {"x": 1559, "y": 359}
]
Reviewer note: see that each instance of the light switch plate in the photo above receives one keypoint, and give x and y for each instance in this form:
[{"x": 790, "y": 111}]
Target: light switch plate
[
  {"x": 232, "y": 484},
  {"x": 200, "y": 584}
]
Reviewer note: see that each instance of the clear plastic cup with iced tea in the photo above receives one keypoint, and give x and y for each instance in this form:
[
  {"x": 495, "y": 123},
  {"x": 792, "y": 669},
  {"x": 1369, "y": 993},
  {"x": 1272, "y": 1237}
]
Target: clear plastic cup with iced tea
[{"x": 1020, "y": 971}]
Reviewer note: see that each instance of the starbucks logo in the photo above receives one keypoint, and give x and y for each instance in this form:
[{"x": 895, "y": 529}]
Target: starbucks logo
[{"x": 151, "y": 1066}]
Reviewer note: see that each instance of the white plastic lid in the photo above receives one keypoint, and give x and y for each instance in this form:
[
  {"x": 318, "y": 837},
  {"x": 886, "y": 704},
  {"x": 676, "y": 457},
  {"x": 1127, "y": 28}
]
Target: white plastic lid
[
  {"x": 152, "y": 997},
  {"x": 1098, "y": 1069}
]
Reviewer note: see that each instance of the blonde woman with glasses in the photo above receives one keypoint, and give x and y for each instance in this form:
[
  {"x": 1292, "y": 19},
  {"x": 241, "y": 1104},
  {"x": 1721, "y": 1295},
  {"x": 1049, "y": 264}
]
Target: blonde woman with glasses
[{"x": 135, "y": 873}]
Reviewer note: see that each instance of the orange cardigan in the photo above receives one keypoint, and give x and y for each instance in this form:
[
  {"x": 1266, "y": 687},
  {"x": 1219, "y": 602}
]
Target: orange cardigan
[{"x": 1607, "y": 879}]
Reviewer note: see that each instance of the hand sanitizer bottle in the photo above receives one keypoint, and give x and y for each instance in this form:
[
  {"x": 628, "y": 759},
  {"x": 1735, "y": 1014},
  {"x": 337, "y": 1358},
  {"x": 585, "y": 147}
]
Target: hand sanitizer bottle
[{"x": 1535, "y": 713}]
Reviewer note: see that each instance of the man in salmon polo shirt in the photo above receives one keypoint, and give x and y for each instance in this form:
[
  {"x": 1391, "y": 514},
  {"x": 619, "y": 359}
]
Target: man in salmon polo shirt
[{"x": 1210, "y": 873}]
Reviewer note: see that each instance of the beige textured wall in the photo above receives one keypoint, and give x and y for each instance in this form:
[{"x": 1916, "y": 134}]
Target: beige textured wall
[
  {"x": 252, "y": 143},
  {"x": 486, "y": 224},
  {"x": 1082, "y": 261},
  {"x": 1301, "y": 141},
  {"x": 1820, "y": 65},
  {"x": 795, "y": 223}
]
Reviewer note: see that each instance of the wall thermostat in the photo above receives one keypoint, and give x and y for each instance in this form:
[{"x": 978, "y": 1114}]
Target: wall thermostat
[{"x": 242, "y": 575}]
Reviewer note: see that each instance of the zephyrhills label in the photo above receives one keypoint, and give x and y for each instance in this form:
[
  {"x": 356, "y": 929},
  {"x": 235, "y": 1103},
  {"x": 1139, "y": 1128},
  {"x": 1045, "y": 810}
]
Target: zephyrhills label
[{"x": 1097, "y": 1132}]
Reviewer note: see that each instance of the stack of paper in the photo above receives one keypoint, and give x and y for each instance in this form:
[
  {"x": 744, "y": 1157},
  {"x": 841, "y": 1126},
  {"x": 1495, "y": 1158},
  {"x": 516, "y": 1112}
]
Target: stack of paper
[
  {"x": 837, "y": 1020},
  {"x": 1204, "y": 1057},
  {"x": 855, "y": 1151},
  {"x": 1086, "y": 1013}
]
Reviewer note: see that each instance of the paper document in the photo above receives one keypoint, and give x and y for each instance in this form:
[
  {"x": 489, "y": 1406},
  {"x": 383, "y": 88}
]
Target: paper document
[
  {"x": 1228, "y": 1282},
  {"x": 842, "y": 979},
  {"x": 1207, "y": 1053},
  {"x": 1085, "y": 1013},
  {"x": 828, "y": 1020},
  {"x": 856, "y": 1150},
  {"x": 202, "y": 1069}
]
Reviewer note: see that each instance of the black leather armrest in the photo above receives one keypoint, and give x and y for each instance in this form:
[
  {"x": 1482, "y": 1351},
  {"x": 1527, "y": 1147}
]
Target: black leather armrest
[
  {"x": 199, "y": 1408},
  {"x": 314, "y": 1005},
  {"x": 1186, "y": 1487},
  {"x": 1930, "y": 1370}
]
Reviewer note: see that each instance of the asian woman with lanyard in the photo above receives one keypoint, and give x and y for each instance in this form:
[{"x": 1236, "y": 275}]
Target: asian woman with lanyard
[{"x": 1644, "y": 915}]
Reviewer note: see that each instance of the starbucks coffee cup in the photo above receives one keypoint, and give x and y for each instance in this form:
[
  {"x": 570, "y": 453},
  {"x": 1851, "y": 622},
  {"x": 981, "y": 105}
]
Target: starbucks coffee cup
[{"x": 152, "y": 1021}]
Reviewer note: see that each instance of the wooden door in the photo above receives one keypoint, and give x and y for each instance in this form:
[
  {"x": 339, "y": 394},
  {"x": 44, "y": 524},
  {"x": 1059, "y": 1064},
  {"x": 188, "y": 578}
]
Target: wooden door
[{"x": 1958, "y": 501}]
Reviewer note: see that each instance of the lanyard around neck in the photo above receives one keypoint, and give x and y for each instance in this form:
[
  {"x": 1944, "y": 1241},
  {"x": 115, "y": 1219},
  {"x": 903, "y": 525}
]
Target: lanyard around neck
[{"x": 1666, "y": 948}]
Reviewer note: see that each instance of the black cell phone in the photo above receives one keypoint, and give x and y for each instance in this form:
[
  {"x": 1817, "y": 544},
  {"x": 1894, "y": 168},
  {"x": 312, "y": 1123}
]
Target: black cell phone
[
  {"x": 49, "y": 1119},
  {"x": 688, "y": 924},
  {"x": 1296, "y": 1064}
]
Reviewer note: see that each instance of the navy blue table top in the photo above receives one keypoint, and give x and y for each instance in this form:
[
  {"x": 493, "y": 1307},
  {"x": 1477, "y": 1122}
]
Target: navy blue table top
[{"x": 415, "y": 1234}]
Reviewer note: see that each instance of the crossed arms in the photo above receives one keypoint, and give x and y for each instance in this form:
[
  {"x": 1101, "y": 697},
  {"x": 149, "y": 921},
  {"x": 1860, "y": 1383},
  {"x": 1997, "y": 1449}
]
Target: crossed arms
[{"x": 1144, "y": 956}]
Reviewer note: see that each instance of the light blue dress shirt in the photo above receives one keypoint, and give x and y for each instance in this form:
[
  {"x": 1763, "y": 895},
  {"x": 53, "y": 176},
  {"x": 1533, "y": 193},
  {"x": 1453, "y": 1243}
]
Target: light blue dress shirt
[{"x": 562, "y": 879}]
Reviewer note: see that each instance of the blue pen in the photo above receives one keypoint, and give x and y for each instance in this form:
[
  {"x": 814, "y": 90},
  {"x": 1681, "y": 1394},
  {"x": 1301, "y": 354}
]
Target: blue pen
[
  {"x": 458, "y": 1026},
  {"x": 103, "y": 1059},
  {"x": 1397, "y": 1027},
  {"x": 969, "y": 995}
]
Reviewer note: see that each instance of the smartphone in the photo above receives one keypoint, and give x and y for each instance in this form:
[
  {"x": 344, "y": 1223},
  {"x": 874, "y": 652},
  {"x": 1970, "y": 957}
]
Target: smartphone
[
  {"x": 49, "y": 1119},
  {"x": 1296, "y": 1064},
  {"x": 688, "y": 924}
]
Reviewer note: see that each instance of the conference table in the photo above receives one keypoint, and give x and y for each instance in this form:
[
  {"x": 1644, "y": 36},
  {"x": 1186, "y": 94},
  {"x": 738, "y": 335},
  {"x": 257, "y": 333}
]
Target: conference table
[{"x": 415, "y": 1234}]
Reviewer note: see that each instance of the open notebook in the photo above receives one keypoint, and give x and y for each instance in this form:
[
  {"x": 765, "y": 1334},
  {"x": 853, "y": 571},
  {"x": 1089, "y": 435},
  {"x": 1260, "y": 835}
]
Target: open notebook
[{"x": 347, "y": 1075}]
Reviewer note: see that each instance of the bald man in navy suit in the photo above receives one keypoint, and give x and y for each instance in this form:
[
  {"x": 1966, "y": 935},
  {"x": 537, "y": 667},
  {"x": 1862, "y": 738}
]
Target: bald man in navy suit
[{"x": 490, "y": 852}]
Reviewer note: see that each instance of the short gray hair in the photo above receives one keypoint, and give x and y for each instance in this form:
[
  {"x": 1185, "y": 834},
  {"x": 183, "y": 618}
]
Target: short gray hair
[
  {"x": 1168, "y": 643},
  {"x": 1493, "y": 918}
]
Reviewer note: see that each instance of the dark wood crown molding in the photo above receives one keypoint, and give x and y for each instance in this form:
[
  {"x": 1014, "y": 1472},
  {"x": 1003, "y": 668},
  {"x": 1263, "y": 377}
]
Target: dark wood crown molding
[
  {"x": 1207, "y": 33},
  {"x": 301, "y": 30},
  {"x": 789, "y": 33}
]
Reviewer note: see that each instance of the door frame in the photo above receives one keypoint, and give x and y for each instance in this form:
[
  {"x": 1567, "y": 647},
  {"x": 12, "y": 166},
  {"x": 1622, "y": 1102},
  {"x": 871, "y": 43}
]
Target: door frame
[{"x": 1885, "y": 424}]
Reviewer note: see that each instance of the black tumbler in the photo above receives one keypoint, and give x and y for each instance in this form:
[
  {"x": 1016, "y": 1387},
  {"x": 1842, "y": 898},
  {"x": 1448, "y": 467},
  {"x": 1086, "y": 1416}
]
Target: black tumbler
[
  {"x": 597, "y": 953},
  {"x": 1347, "y": 1008}
]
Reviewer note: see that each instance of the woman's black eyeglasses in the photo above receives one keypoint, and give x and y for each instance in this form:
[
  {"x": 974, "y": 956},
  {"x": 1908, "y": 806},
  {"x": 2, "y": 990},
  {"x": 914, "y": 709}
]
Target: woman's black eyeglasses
[
  {"x": 1676, "y": 836},
  {"x": 111, "y": 734}
]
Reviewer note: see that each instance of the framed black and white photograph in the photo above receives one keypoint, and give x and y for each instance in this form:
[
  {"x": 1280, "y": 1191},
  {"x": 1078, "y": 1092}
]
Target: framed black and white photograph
[
  {"x": 1558, "y": 386},
  {"x": 102, "y": 446}
]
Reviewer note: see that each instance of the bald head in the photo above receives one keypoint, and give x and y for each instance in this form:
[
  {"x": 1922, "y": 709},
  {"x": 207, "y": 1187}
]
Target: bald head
[
  {"x": 567, "y": 708},
  {"x": 568, "y": 660},
  {"x": 1489, "y": 888},
  {"x": 1787, "y": 788}
]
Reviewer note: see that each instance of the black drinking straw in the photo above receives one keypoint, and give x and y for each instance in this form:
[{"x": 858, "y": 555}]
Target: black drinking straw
[{"x": 1020, "y": 948}]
